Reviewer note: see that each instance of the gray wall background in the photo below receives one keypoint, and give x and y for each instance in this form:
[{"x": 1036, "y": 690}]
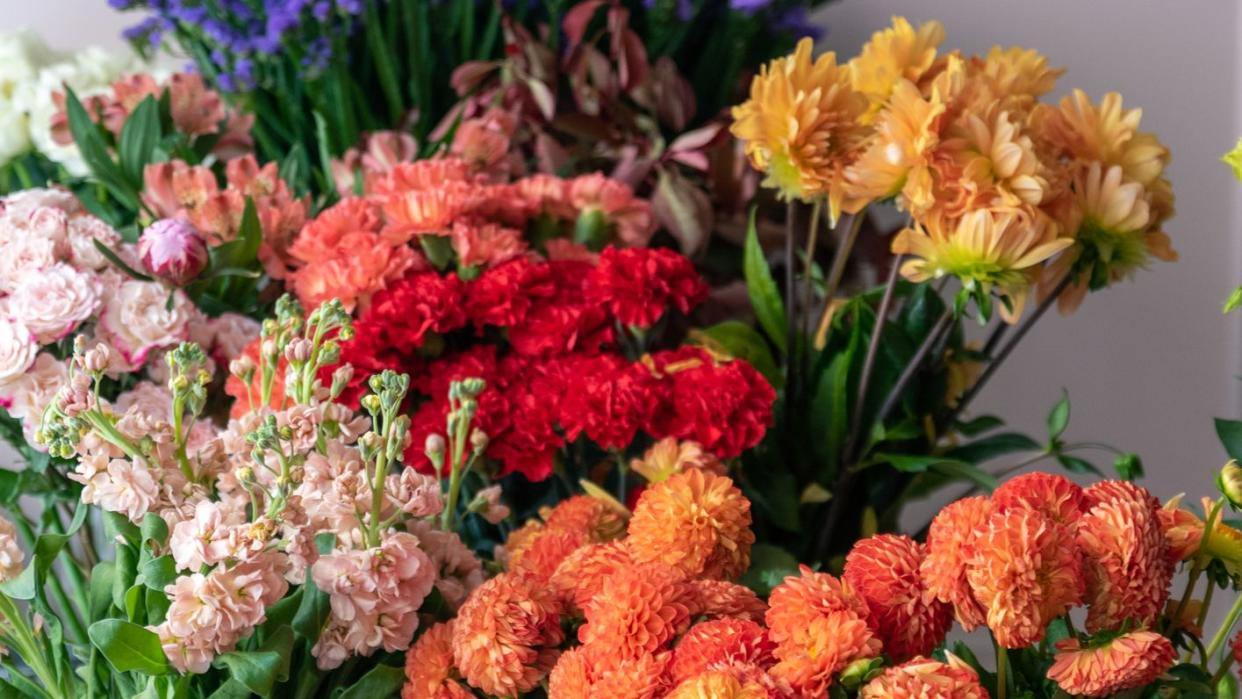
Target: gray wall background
[{"x": 1148, "y": 363}]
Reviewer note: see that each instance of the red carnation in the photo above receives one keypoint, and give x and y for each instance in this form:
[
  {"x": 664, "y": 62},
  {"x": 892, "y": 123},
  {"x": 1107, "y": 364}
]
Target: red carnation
[
  {"x": 611, "y": 399},
  {"x": 565, "y": 322},
  {"x": 503, "y": 294},
  {"x": 725, "y": 405},
  {"x": 417, "y": 304},
  {"x": 637, "y": 284}
]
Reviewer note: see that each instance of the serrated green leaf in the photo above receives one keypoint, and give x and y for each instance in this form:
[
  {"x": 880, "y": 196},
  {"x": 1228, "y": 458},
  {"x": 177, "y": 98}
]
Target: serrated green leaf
[{"x": 765, "y": 299}]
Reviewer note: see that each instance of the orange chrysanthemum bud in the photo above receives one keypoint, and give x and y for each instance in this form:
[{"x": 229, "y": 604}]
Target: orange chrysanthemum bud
[
  {"x": 923, "y": 677},
  {"x": 577, "y": 677},
  {"x": 1056, "y": 497},
  {"x": 697, "y": 522},
  {"x": 669, "y": 456},
  {"x": 507, "y": 634},
  {"x": 1125, "y": 557},
  {"x": 581, "y": 575},
  {"x": 720, "y": 599},
  {"x": 429, "y": 667},
  {"x": 1183, "y": 531},
  {"x": 944, "y": 568},
  {"x": 1025, "y": 570},
  {"x": 1125, "y": 662},
  {"x": 884, "y": 571},
  {"x": 639, "y": 610},
  {"x": 819, "y": 626},
  {"x": 720, "y": 642}
]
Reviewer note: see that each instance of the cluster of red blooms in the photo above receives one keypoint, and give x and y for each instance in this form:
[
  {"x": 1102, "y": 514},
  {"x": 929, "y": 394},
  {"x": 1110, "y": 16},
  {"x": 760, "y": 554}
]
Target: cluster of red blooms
[
  {"x": 513, "y": 300},
  {"x": 658, "y": 613}
]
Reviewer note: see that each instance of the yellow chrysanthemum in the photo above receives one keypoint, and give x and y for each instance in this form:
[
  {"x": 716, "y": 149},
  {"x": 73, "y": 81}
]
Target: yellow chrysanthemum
[
  {"x": 894, "y": 53},
  {"x": 697, "y": 522},
  {"x": 897, "y": 161},
  {"x": 923, "y": 678},
  {"x": 669, "y": 456},
  {"x": 819, "y": 627},
  {"x": 1025, "y": 570},
  {"x": 986, "y": 250},
  {"x": 1019, "y": 76},
  {"x": 998, "y": 161},
  {"x": 719, "y": 685},
  {"x": 801, "y": 124},
  {"x": 1085, "y": 132},
  {"x": 1131, "y": 660}
]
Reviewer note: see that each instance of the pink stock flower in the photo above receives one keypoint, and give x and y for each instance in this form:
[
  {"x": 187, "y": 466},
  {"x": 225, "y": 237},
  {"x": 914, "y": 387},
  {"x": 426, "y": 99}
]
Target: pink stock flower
[
  {"x": 11, "y": 556},
  {"x": 203, "y": 540},
  {"x": 119, "y": 485},
  {"x": 173, "y": 250}
]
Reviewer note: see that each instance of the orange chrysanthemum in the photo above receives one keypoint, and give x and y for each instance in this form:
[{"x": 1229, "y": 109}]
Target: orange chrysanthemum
[
  {"x": 639, "y": 610},
  {"x": 720, "y": 685},
  {"x": 697, "y": 522},
  {"x": 1025, "y": 570},
  {"x": 948, "y": 544},
  {"x": 581, "y": 575},
  {"x": 600, "y": 520},
  {"x": 720, "y": 599},
  {"x": 669, "y": 456},
  {"x": 1125, "y": 662},
  {"x": 893, "y": 53},
  {"x": 720, "y": 642},
  {"x": 507, "y": 634},
  {"x": 519, "y": 542},
  {"x": 1126, "y": 563},
  {"x": 429, "y": 667},
  {"x": 1056, "y": 497},
  {"x": 898, "y": 158},
  {"x": 884, "y": 571},
  {"x": 819, "y": 626},
  {"x": 923, "y": 677},
  {"x": 1183, "y": 531},
  {"x": 802, "y": 124},
  {"x": 546, "y": 551},
  {"x": 578, "y": 677}
]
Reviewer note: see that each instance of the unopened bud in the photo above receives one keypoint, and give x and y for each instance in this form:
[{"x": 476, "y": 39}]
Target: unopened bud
[
  {"x": 1229, "y": 481},
  {"x": 434, "y": 444},
  {"x": 269, "y": 350},
  {"x": 298, "y": 351},
  {"x": 472, "y": 387},
  {"x": 173, "y": 250},
  {"x": 478, "y": 440},
  {"x": 97, "y": 359},
  {"x": 371, "y": 402},
  {"x": 860, "y": 671}
]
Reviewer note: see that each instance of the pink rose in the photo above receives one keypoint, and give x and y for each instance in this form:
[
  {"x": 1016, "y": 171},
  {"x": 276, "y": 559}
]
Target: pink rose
[
  {"x": 173, "y": 250},
  {"x": 53, "y": 302},
  {"x": 21, "y": 256},
  {"x": 138, "y": 318},
  {"x": 17, "y": 350},
  {"x": 83, "y": 232}
]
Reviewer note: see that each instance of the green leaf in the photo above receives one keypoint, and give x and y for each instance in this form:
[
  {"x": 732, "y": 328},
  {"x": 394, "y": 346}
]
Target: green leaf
[
  {"x": 118, "y": 262},
  {"x": 1230, "y": 434},
  {"x": 158, "y": 573},
  {"x": 139, "y": 136},
  {"x": 128, "y": 646},
  {"x": 47, "y": 547},
  {"x": 242, "y": 251},
  {"x": 765, "y": 299},
  {"x": 260, "y": 670},
  {"x": 312, "y": 613},
  {"x": 1073, "y": 464},
  {"x": 232, "y": 689},
  {"x": 101, "y": 588},
  {"x": 381, "y": 681},
  {"x": 914, "y": 463},
  {"x": 1058, "y": 418},
  {"x": 154, "y": 528},
  {"x": 742, "y": 341},
  {"x": 1128, "y": 466},
  {"x": 90, "y": 142},
  {"x": 964, "y": 471},
  {"x": 385, "y": 68},
  {"x": 769, "y": 566},
  {"x": 979, "y": 425},
  {"x": 988, "y": 448}
]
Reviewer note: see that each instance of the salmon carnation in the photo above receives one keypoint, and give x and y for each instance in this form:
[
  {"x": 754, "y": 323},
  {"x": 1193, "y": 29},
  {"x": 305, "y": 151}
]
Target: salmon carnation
[
  {"x": 720, "y": 642},
  {"x": 1056, "y": 497},
  {"x": 429, "y": 667},
  {"x": 697, "y": 522},
  {"x": 1126, "y": 561},
  {"x": 507, "y": 634},
  {"x": 722, "y": 599},
  {"x": 720, "y": 685},
  {"x": 944, "y": 568},
  {"x": 577, "y": 677},
  {"x": 923, "y": 677},
  {"x": 639, "y": 610},
  {"x": 819, "y": 627},
  {"x": 1131, "y": 660},
  {"x": 1025, "y": 570},
  {"x": 669, "y": 456},
  {"x": 581, "y": 575},
  {"x": 884, "y": 571}
]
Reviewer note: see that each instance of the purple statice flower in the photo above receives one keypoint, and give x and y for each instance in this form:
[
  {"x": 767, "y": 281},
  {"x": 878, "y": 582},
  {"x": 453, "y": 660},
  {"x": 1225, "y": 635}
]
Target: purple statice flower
[
  {"x": 748, "y": 7},
  {"x": 794, "y": 21}
]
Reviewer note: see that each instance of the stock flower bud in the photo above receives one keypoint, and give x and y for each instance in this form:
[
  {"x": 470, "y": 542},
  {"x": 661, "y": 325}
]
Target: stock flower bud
[
  {"x": 97, "y": 359},
  {"x": 242, "y": 368},
  {"x": 1229, "y": 481},
  {"x": 298, "y": 351},
  {"x": 173, "y": 250},
  {"x": 434, "y": 445},
  {"x": 478, "y": 440}
]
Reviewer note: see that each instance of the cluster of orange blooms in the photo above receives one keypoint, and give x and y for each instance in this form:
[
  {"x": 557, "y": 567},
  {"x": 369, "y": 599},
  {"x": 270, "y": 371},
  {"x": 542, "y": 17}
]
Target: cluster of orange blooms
[
  {"x": 1004, "y": 192},
  {"x": 600, "y": 603}
]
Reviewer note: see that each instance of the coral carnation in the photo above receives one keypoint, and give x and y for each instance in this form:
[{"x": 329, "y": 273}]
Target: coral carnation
[
  {"x": 695, "y": 521},
  {"x": 507, "y": 634},
  {"x": 1125, "y": 662},
  {"x": 884, "y": 571}
]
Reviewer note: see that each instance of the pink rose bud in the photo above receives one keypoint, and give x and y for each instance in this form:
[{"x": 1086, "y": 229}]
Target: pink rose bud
[{"x": 173, "y": 250}]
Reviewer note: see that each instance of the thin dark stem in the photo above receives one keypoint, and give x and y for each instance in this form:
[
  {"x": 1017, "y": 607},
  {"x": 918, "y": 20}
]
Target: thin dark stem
[
  {"x": 791, "y": 306},
  {"x": 998, "y": 334},
  {"x": 995, "y": 362},
  {"x": 864, "y": 381},
  {"x": 808, "y": 266},
  {"x": 916, "y": 363},
  {"x": 838, "y": 271}
]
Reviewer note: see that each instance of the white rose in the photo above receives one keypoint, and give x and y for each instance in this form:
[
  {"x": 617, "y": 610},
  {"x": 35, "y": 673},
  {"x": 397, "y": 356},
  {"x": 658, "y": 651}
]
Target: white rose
[
  {"x": 22, "y": 53},
  {"x": 54, "y": 301},
  {"x": 17, "y": 350},
  {"x": 17, "y": 208},
  {"x": 14, "y": 130},
  {"x": 20, "y": 257},
  {"x": 83, "y": 232},
  {"x": 138, "y": 318}
]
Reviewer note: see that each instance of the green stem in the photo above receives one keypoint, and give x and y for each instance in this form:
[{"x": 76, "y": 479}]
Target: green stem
[
  {"x": 1002, "y": 662},
  {"x": 1197, "y": 567},
  {"x": 28, "y": 647},
  {"x": 1223, "y": 632},
  {"x": 457, "y": 450}
]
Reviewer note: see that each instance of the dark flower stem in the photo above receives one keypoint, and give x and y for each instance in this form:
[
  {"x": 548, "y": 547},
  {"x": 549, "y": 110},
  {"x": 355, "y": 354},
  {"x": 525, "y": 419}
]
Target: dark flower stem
[{"x": 864, "y": 381}]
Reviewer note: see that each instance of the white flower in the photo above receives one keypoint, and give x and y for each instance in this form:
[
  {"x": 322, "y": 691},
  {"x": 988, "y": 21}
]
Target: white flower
[
  {"x": 14, "y": 130},
  {"x": 139, "y": 317},
  {"x": 23, "y": 54},
  {"x": 17, "y": 350},
  {"x": 54, "y": 301}
]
